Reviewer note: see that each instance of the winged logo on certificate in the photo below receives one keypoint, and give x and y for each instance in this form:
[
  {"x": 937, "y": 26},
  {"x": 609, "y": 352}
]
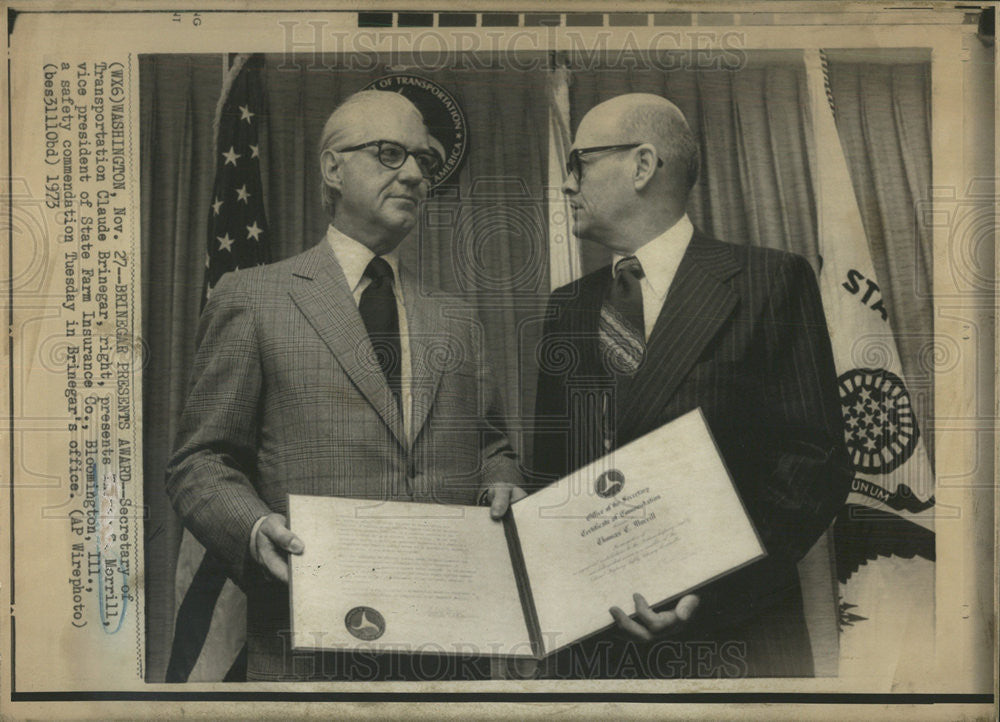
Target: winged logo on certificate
[{"x": 660, "y": 514}]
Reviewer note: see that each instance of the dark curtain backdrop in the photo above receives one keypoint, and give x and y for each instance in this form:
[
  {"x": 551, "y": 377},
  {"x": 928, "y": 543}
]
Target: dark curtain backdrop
[
  {"x": 178, "y": 98},
  {"x": 485, "y": 238},
  {"x": 753, "y": 130}
]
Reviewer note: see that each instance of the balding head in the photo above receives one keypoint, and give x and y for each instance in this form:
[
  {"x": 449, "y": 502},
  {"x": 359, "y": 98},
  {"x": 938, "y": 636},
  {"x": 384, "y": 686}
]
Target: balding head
[
  {"x": 647, "y": 118},
  {"x": 351, "y": 123},
  {"x": 632, "y": 165}
]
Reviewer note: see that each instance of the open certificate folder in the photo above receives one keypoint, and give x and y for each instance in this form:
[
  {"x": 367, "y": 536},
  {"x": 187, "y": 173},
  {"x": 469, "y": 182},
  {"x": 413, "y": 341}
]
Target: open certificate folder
[{"x": 659, "y": 516}]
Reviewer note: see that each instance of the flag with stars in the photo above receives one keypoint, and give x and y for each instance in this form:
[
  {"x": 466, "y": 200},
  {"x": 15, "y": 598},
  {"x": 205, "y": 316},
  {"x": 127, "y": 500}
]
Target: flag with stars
[
  {"x": 209, "y": 643},
  {"x": 884, "y": 537},
  {"x": 237, "y": 226}
]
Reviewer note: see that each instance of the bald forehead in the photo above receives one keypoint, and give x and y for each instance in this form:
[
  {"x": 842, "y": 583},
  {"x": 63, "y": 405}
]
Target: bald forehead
[
  {"x": 370, "y": 104},
  {"x": 375, "y": 115},
  {"x": 630, "y": 118}
]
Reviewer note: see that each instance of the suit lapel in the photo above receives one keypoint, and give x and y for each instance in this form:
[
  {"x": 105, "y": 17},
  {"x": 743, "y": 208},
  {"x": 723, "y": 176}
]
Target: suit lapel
[
  {"x": 583, "y": 316},
  {"x": 697, "y": 304},
  {"x": 320, "y": 291},
  {"x": 426, "y": 334}
]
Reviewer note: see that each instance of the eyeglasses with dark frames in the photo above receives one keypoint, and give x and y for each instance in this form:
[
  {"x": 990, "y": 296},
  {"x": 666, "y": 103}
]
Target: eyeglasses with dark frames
[
  {"x": 574, "y": 163},
  {"x": 393, "y": 155}
]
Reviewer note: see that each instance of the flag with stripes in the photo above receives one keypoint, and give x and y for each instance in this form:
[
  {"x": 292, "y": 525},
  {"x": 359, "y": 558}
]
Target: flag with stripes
[
  {"x": 209, "y": 642},
  {"x": 884, "y": 537}
]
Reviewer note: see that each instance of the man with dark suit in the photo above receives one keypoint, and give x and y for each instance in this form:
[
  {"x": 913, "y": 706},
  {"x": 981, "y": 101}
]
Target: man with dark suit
[
  {"x": 333, "y": 373},
  {"x": 679, "y": 321}
]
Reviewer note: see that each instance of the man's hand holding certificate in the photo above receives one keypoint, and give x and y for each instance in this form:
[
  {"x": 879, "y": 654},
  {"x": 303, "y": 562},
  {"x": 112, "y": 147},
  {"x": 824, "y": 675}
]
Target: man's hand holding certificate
[
  {"x": 649, "y": 625},
  {"x": 410, "y": 577}
]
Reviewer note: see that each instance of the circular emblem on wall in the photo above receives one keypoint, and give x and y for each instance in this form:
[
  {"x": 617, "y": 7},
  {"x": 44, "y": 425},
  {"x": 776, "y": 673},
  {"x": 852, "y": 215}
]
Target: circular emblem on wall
[
  {"x": 879, "y": 423},
  {"x": 609, "y": 483},
  {"x": 365, "y": 623},
  {"x": 443, "y": 116}
]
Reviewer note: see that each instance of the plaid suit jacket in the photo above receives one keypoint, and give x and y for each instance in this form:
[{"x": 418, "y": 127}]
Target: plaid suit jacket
[
  {"x": 742, "y": 335},
  {"x": 288, "y": 397}
]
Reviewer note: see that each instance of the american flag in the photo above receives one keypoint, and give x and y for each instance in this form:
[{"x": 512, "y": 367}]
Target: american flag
[
  {"x": 237, "y": 227},
  {"x": 210, "y": 624}
]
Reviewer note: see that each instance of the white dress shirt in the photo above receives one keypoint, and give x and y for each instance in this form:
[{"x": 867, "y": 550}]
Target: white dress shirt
[{"x": 659, "y": 258}]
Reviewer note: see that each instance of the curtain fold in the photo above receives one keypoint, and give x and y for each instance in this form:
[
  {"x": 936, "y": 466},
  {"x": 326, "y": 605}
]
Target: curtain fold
[
  {"x": 495, "y": 255},
  {"x": 884, "y": 122},
  {"x": 755, "y": 185},
  {"x": 178, "y": 97}
]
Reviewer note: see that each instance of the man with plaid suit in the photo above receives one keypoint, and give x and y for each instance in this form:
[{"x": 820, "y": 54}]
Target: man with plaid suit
[
  {"x": 680, "y": 321},
  {"x": 333, "y": 373}
]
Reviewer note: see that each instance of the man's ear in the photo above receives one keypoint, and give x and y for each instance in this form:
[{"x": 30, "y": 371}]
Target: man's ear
[
  {"x": 331, "y": 169},
  {"x": 646, "y": 162}
]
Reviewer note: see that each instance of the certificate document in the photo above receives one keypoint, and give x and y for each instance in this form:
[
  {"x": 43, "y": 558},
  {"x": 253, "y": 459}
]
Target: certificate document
[
  {"x": 659, "y": 516},
  {"x": 403, "y": 577}
]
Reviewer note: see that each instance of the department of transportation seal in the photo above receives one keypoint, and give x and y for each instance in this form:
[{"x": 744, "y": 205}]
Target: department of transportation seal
[
  {"x": 609, "y": 483},
  {"x": 365, "y": 623},
  {"x": 879, "y": 423},
  {"x": 443, "y": 116}
]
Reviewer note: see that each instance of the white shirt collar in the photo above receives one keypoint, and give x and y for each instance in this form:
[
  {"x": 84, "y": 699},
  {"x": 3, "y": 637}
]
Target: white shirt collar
[
  {"x": 354, "y": 257},
  {"x": 661, "y": 256}
]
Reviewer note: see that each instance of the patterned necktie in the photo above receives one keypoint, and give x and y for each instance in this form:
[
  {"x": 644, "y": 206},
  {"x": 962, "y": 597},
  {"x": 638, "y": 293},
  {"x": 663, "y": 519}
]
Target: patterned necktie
[
  {"x": 378, "y": 311},
  {"x": 622, "y": 330}
]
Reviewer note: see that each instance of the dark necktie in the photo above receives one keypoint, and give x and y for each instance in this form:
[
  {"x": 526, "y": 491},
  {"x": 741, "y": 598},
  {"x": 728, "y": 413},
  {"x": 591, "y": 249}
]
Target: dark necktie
[
  {"x": 622, "y": 331},
  {"x": 378, "y": 311}
]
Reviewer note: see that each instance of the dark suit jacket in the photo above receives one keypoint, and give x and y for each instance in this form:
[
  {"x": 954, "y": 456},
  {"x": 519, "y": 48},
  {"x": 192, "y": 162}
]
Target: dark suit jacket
[
  {"x": 742, "y": 335},
  {"x": 288, "y": 398}
]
